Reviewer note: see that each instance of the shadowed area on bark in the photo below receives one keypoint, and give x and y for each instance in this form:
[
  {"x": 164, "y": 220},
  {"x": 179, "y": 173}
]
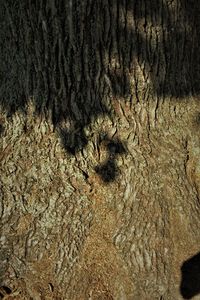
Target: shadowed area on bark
[
  {"x": 79, "y": 62},
  {"x": 1, "y": 129},
  {"x": 4, "y": 291},
  {"x": 109, "y": 171},
  {"x": 190, "y": 283},
  {"x": 72, "y": 57}
]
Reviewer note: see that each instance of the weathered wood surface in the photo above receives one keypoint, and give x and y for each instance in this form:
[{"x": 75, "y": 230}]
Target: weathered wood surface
[{"x": 100, "y": 151}]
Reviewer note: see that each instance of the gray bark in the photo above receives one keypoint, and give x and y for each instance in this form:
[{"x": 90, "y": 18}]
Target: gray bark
[{"x": 100, "y": 151}]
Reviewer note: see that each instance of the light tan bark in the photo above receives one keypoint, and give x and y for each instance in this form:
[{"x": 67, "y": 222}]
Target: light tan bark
[{"x": 100, "y": 152}]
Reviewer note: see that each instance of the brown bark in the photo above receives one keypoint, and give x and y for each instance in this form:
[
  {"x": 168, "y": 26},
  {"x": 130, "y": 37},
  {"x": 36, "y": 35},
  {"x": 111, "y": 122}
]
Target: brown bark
[{"x": 100, "y": 175}]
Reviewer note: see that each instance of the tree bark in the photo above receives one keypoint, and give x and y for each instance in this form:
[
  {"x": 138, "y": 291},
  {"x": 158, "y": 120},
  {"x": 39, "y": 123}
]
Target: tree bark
[{"x": 100, "y": 150}]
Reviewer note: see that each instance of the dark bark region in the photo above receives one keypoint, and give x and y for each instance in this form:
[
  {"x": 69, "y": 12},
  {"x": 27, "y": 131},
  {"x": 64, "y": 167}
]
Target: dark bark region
[{"x": 72, "y": 57}]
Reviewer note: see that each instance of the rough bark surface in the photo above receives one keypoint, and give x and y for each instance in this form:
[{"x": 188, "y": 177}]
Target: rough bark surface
[{"x": 100, "y": 149}]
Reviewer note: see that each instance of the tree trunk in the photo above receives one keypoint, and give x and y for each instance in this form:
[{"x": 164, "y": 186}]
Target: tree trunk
[{"x": 100, "y": 149}]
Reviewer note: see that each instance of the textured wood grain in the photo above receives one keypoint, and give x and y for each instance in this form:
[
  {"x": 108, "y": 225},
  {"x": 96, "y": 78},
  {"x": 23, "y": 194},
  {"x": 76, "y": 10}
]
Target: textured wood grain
[{"x": 100, "y": 164}]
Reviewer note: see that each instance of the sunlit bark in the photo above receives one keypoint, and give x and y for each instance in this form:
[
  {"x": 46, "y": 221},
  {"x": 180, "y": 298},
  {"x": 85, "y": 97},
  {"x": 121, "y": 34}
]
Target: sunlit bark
[{"x": 100, "y": 151}]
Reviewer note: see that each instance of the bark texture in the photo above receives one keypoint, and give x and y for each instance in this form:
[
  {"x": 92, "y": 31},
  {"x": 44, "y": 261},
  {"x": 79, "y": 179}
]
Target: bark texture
[{"x": 100, "y": 149}]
